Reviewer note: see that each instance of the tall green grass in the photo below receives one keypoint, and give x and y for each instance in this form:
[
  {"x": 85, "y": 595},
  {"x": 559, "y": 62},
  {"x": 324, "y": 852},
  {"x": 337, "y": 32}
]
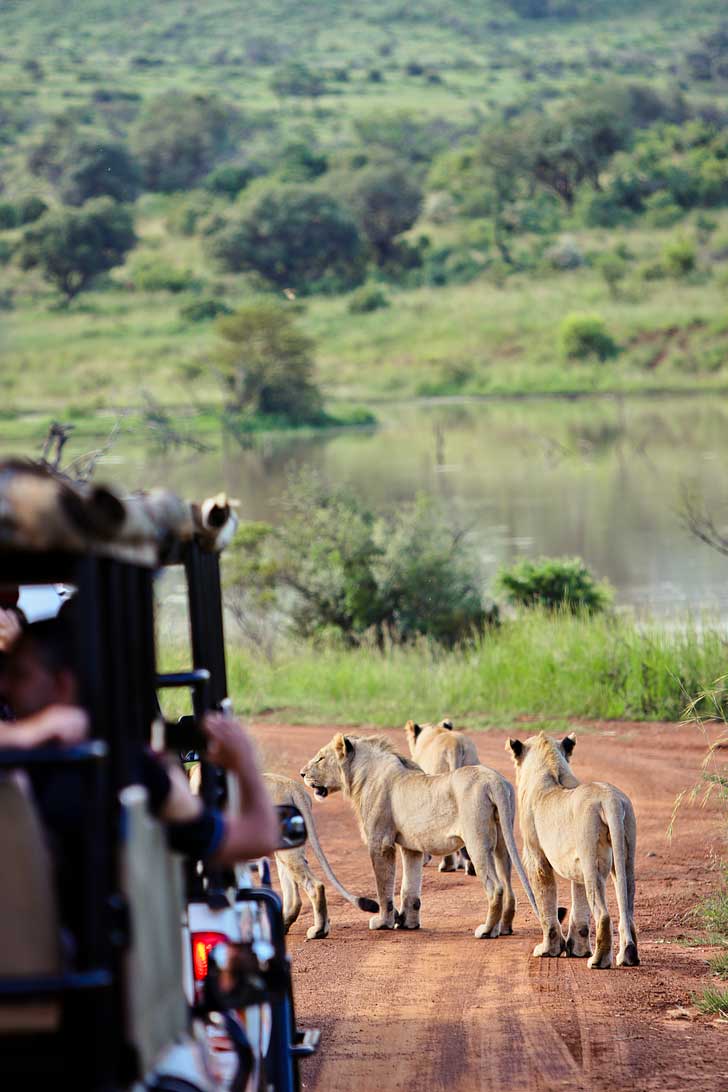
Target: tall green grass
[{"x": 542, "y": 665}]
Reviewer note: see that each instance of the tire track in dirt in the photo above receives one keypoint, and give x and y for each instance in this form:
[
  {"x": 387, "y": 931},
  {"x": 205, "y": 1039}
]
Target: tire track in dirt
[{"x": 436, "y": 1009}]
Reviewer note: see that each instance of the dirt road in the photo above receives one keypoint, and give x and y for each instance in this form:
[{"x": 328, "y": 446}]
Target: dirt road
[{"x": 438, "y": 1009}]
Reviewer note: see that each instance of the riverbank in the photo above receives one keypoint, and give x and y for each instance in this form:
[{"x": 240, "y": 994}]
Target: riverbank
[{"x": 550, "y": 667}]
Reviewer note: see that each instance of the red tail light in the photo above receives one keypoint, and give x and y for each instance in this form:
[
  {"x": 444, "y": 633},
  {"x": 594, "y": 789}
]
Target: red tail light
[{"x": 202, "y": 944}]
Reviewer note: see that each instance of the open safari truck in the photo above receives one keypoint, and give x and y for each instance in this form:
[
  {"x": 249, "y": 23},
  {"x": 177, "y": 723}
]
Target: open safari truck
[{"x": 178, "y": 978}]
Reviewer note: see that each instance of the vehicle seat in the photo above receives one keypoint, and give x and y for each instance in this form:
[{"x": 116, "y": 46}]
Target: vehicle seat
[
  {"x": 29, "y": 924},
  {"x": 157, "y": 1012}
]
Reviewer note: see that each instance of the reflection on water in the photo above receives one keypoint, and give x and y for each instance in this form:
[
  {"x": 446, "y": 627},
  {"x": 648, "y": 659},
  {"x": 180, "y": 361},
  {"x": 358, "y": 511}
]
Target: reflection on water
[{"x": 598, "y": 478}]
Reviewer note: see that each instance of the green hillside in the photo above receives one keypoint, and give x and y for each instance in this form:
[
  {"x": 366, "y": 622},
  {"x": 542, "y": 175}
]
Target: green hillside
[{"x": 565, "y": 158}]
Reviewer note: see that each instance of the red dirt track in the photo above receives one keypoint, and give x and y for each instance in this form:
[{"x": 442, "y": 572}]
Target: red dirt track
[{"x": 439, "y": 1010}]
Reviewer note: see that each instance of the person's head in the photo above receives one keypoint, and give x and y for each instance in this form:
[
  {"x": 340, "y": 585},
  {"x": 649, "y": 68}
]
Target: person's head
[{"x": 40, "y": 670}]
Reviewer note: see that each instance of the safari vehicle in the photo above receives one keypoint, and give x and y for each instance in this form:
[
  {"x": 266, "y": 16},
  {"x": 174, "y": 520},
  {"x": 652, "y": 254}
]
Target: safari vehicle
[{"x": 115, "y": 1014}]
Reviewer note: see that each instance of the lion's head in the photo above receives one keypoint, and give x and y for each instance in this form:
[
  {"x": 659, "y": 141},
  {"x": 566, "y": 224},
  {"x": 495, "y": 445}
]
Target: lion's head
[
  {"x": 539, "y": 754},
  {"x": 323, "y": 773},
  {"x": 331, "y": 769}
]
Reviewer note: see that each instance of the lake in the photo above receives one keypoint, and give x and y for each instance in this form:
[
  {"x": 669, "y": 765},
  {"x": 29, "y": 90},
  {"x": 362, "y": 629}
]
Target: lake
[{"x": 599, "y": 478}]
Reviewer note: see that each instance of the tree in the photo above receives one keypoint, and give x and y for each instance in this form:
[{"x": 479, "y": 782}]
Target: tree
[
  {"x": 296, "y": 238},
  {"x": 554, "y": 583},
  {"x": 333, "y": 567},
  {"x": 99, "y": 169},
  {"x": 72, "y": 246},
  {"x": 266, "y": 363},
  {"x": 297, "y": 79},
  {"x": 385, "y": 201},
  {"x": 179, "y": 137}
]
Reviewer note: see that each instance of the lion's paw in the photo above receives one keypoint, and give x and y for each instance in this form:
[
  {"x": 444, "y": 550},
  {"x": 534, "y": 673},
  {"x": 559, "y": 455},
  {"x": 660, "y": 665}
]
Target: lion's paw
[
  {"x": 603, "y": 963},
  {"x": 482, "y": 933},
  {"x": 548, "y": 951},
  {"x": 313, "y": 933},
  {"x": 380, "y": 922}
]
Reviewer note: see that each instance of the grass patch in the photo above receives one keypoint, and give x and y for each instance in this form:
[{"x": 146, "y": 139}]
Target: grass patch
[
  {"x": 550, "y": 667},
  {"x": 713, "y": 1002}
]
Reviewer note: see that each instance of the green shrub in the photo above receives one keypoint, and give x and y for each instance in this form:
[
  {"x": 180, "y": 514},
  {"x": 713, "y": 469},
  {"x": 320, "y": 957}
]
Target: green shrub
[
  {"x": 679, "y": 257},
  {"x": 154, "y": 275},
  {"x": 6, "y": 251},
  {"x": 553, "y": 583},
  {"x": 8, "y": 216},
  {"x": 336, "y": 569},
  {"x": 583, "y": 336},
  {"x": 185, "y": 216},
  {"x": 203, "y": 309},
  {"x": 31, "y": 209},
  {"x": 613, "y": 269},
  {"x": 229, "y": 179},
  {"x": 661, "y": 211},
  {"x": 370, "y": 297}
]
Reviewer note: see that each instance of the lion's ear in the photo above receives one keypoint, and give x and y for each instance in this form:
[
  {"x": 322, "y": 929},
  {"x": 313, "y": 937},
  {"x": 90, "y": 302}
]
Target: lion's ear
[
  {"x": 343, "y": 746},
  {"x": 447, "y": 723},
  {"x": 516, "y": 748},
  {"x": 568, "y": 743},
  {"x": 412, "y": 729}
]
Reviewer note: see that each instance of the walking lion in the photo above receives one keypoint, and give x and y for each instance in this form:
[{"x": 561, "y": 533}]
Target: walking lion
[{"x": 582, "y": 831}]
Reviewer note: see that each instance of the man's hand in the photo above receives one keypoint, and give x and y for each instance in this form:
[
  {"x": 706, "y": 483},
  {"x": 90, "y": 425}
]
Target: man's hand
[
  {"x": 10, "y": 629},
  {"x": 228, "y": 745},
  {"x": 66, "y": 724}
]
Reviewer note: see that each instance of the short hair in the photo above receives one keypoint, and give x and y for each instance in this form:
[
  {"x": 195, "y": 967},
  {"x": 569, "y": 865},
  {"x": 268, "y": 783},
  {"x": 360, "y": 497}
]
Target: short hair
[{"x": 55, "y": 642}]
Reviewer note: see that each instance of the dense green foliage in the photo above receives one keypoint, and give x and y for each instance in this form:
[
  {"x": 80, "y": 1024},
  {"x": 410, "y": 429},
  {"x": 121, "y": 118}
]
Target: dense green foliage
[
  {"x": 505, "y": 144},
  {"x": 582, "y": 336},
  {"x": 265, "y": 364},
  {"x": 553, "y": 583},
  {"x": 72, "y": 247},
  {"x": 541, "y": 664},
  {"x": 295, "y": 238},
  {"x": 335, "y": 570}
]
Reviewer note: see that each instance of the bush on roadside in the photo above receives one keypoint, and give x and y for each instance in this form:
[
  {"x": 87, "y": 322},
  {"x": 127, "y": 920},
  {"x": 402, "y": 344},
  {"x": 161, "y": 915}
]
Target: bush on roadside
[
  {"x": 584, "y": 336},
  {"x": 370, "y": 297},
  {"x": 554, "y": 583},
  {"x": 334, "y": 569},
  {"x": 203, "y": 309},
  {"x": 679, "y": 257},
  {"x": 154, "y": 275}
]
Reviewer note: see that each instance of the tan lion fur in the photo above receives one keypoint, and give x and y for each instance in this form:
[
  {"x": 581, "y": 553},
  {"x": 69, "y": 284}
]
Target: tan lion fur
[
  {"x": 441, "y": 748},
  {"x": 581, "y": 831},
  {"x": 294, "y": 871},
  {"x": 397, "y": 804}
]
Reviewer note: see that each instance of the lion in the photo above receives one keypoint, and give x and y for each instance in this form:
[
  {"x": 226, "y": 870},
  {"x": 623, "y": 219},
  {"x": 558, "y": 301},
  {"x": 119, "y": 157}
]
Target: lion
[
  {"x": 294, "y": 870},
  {"x": 581, "y": 831},
  {"x": 397, "y": 804},
  {"x": 439, "y": 748}
]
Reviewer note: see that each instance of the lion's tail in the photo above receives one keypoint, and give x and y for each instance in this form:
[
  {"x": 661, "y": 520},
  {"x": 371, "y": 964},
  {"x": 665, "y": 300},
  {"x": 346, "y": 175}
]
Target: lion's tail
[
  {"x": 361, "y": 903},
  {"x": 619, "y": 816},
  {"x": 504, "y": 800}
]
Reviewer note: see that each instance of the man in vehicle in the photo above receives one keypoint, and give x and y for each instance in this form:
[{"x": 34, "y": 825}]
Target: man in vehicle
[{"x": 38, "y": 682}]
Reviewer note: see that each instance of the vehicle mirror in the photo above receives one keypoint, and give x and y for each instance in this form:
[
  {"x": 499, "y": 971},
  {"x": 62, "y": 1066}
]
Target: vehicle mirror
[{"x": 292, "y": 827}]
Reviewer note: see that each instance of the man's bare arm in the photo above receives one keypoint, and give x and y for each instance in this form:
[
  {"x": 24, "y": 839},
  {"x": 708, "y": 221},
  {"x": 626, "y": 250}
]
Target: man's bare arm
[{"x": 254, "y": 832}]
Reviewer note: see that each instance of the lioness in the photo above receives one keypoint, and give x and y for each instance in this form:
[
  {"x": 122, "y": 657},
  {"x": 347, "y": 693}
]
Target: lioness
[
  {"x": 439, "y": 748},
  {"x": 396, "y": 803},
  {"x": 581, "y": 831},
  {"x": 294, "y": 870}
]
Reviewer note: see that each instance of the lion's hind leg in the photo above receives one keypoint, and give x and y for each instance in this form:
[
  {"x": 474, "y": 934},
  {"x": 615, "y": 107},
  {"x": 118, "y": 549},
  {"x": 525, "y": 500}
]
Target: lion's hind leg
[
  {"x": 481, "y": 847},
  {"x": 577, "y": 939},
  {"x": 302, "y": 876},
  {"x": 408, "y": 916},
  {"x": 503, "y": 872},
  {"x": 450, "y": 863},
  {"x": 596, "y": 892},
  {"x": 289, "y": 890},
  {"x": 543, "y": 882}
]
